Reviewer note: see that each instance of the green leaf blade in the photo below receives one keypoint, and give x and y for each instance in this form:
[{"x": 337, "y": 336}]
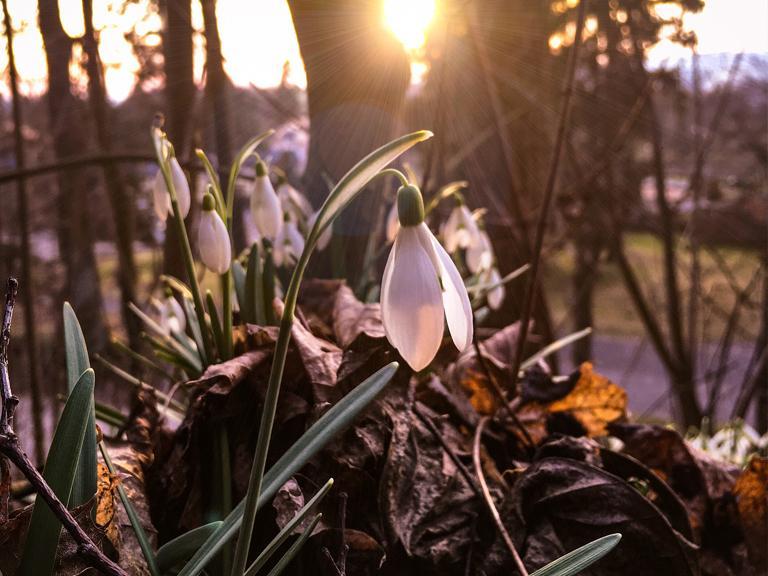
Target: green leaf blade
[
  {"x": 311, "y": 442},
  {"x": 182, "y": 547},
  {"x": 60, "y": 473},
  {"x": 581, "y": 558},
  {"x": 76, "y": 353}
]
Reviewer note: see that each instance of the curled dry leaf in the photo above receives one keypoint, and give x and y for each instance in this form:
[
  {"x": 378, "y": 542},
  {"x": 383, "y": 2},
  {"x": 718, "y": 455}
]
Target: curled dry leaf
[{"x": 751, "y": 491}]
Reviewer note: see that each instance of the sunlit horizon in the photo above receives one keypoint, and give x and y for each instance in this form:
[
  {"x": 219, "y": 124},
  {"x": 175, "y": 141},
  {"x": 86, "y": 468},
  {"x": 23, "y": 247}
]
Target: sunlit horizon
[{"x": 259, "y": 59}]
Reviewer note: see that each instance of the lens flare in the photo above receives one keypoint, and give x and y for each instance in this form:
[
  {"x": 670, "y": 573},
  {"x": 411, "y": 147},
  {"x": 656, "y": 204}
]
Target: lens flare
[{"x": 409, "y": 20}]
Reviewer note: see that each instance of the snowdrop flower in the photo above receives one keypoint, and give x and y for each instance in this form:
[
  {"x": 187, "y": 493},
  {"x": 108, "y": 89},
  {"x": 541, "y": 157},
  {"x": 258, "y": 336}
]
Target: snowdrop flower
[
  {"x": 495, "y": 294},
  {"x": 480, "y": 253},
  {"x": 289, "y": 244},
  {"x": 161, "y": 197},
  {"x": 265, "y": 206},
  {"x": 325, "y": 237},
  {"x": 460, "y": 230},
  {"x": 213, "y": 238},
  {"x": 294, "y": 202},
  {"x": 172, "y": 316},
  {"x": 421, "y": 287}
]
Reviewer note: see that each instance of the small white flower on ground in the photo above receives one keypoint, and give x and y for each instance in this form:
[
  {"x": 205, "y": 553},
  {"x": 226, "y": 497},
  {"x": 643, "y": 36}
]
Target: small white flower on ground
[
  {"x": 421, "y": 289},
  {"x": 480, "y": 253},
  {"x": 213, "y": 239},
  {"x": 460, "y": 230},
  {"x": 495, "y": 295},
  {"x": 289, "y": 244},
  {"x": 325, "y": 236},
  {"x": 162, "y": 199},
  {"x": 265, "y": 206}
]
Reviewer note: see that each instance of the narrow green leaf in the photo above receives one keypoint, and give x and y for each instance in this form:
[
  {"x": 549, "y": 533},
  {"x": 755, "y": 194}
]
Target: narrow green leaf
[
  {"x": 295, "y": 547},
  {"x": 287, "y": 530},
  {"x": 133, "y": 381},
  {"x": 238, "y": 277},
  {"x": 77, "y": 363},
  {"x": 579, "y": 559},
  {"x": 268, "y": 289},
  {"x": 110, "y": 415},
  {"x": 311, "y": 442},
  {"x": 213, "y": 177},
  {"x": 74, "y": 347},
  {"x": 554, "y": 347},
  {"x": 173, "y": 354},
  {"x": 253, "y": 311},
  {"x": 60, "y": 470},
  {"x": 195, "y": 328},
  {"x": 488, "y": 286},
  {"x": 133, "y": 517},
  {"x": 218, "y": 335},
  {"x": 123, "y": 348},
  {"x": 182, "y": 547},
  {"x": 357, "y": 178}
]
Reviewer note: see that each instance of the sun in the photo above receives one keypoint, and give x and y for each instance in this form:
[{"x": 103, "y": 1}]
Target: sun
[{"x": 409, "y": 20}]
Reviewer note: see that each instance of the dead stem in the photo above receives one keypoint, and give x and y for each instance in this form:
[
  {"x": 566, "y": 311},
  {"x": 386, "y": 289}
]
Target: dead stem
[{"x": 489, "y": 499}]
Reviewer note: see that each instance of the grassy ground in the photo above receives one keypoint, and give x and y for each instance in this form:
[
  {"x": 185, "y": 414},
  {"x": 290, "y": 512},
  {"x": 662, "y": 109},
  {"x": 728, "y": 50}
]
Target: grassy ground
[{"x": 614, "y": 312}]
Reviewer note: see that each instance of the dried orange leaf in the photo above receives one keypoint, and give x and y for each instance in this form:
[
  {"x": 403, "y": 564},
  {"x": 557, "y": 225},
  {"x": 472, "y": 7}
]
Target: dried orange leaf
[
  {"x": 751, "y": 491},
  {"x": 106, "y": 511},
  {"x": 595, "y": 401},
  {"x": 476, "y": 385}
]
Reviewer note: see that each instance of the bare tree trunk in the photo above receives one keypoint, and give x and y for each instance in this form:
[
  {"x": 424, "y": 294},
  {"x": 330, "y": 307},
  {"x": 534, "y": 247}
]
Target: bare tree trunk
[
  {"x": 30, "y": 328},
  {"x": 357, "y": 75},
  {"x": 179, "y": 96},
  {"x": 122, "y": 207},
  {"x": 66, "y": 119},
  {"x": 216, "y": 86}
]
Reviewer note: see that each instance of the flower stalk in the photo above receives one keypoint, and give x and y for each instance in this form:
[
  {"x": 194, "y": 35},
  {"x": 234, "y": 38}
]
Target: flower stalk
[{"x": 164, "y": 152}]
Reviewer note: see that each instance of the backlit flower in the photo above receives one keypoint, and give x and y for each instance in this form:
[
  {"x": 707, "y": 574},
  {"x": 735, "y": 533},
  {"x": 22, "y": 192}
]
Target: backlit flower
[
  {"x": 288, "y": 245},
  {"x": 421, "y": 289},
  {"x": 162, "y": 199},
  {"x": 265, "y": 206},
  {"x": 480, "y": 253},
  {"x": 213, "y": 239},
  {"x": 460, "y": 229},
  {"x": 496, "y": 292}
]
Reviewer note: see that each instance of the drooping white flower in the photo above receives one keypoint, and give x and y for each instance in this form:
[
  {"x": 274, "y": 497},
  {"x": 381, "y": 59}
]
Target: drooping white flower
[
  {"x": 162, "y": 199},
  {"x": 172, "y": 316},
  {"x": 213, "y": 239},
  {"x": 480, "y": 253},
  {"x": 294, "y": 202},
  {"x": 288, "y": 245},
  {"x": 496, "y": 292},
  {"x": 325, "y": 236},
  {"x": 421, "y": 288},
  {"x": 460, "y": 229},
  {"x": 265, "y": 206}
]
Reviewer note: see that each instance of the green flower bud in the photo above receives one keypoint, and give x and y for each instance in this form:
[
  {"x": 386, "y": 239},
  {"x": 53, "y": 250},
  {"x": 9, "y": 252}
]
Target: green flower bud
[
  {"x": 208, "y": 202},
  {"x": 261, "y": 168},
  {"x": 410, "y": 206}
]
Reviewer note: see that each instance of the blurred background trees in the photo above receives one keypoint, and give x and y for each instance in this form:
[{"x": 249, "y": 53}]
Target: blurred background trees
[{"x": 659, "y": 242}]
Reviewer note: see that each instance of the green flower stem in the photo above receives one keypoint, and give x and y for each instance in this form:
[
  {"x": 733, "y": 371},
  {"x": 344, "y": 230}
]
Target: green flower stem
[
  {"x": 392, "y": 172},
  {"x": 226, "y": 304},
  {"x": 186, "y": 250},
  {"x": 268, "y": 412}
]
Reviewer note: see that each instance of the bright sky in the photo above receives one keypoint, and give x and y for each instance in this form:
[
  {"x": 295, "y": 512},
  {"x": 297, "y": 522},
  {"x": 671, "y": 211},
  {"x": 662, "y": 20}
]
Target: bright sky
[{"x": 258, "y": 37}]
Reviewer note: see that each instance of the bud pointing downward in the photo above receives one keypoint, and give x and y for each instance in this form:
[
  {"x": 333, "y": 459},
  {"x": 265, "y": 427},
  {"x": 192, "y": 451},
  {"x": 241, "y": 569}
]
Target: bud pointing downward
[
  {"x": 265, "y": 206},
  {"x": 161, "y": 197},
  {"x": 213, "y": 239},
  {"x": 421, "y": 287}
]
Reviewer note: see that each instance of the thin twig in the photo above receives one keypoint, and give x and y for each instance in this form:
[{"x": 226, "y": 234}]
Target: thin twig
[
  {"x": 448, "y": 450},
  {"x": 489, "y": 499},
  {"x": 343, "y": 547},
  {"x": 11, "y": 448},
  {"x": 541, "y": 226},
  {"x": 500, "y": 393}
]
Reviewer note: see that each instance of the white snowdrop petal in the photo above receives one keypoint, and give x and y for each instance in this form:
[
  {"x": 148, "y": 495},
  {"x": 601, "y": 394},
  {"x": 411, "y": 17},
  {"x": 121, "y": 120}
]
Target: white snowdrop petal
[
  {"x": 480, "y": 254},
  {"x": 161, "y": 201},
  {"x": 495, "y": 295},
  {"x": 214, "y": 245},
  {"x": 266, "y": 210},
  {"x": 393, "y": 223},
  {"x": 181, "y": 187},
  {"x": 411, "y": 303},
  {"x": 294, "y": 238},
  {"x": 450, "y": 231},
  {"x": 458, "y": 310}
]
